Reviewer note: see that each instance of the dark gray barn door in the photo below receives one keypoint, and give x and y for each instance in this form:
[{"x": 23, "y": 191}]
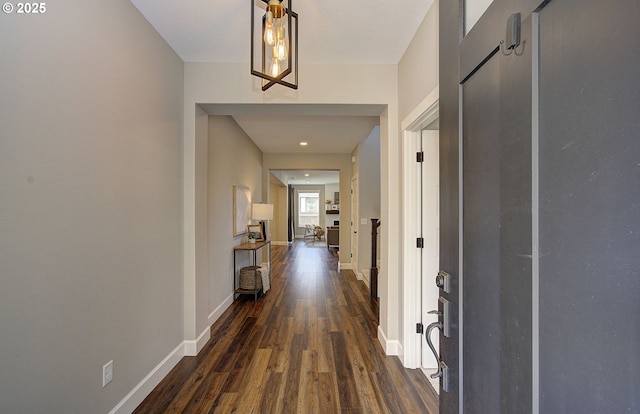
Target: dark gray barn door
[
  {"x": 549, "y": 192},
  {"x": 496, "y": 218},
  {"x": 590, "y": 207}
]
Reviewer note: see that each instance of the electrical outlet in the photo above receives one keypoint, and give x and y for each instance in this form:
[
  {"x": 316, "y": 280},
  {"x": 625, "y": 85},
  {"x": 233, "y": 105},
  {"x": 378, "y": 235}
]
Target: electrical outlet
[
  {"x": 363, "y": 221},
  {"x": 107, "y": 373}
]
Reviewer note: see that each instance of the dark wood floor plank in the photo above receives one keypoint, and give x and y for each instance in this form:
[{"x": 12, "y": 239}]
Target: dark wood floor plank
[
  {"x": 328, "y": 390},
  {"x": 280, "y": 354},
  {"x": 163, "y": 395},
  {"x": 391, "y": 373},
  {"x": 232, "y": 353},
  {"x": 364, "y": 387},
  {"x": 326, "y": 360},
  {"x": 253, "y": 384},
  {"x": 309, "y": 390},
  {"x": 226, "y": 403},
  {"x": 424, "y": 390},
  {"x": 207, "y": 393},
  {"x": 272, "y": 383},
  {"x": 347, "y": 392},
  {"x": 292, "y": 380},
  {"x": 308, "y": 346}
]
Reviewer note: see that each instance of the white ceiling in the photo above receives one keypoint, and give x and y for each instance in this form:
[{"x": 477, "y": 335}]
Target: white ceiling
[
  {"x": 330, "y": 32},
  {"x": 279, "y": 128},
  {"x": 324, "y": 134},
  {"x": 315, "y": 177}
]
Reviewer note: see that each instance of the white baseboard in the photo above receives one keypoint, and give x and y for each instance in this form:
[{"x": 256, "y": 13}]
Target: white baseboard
[
  {"x": 344, "y": 266},
  {"x": 390, "y": 347},
  {"x": 186, "y": 348},
  {"x": 280, "y": 243},
  {"x": 366, "y": 278},
  {"x": 217, "y": 312},
  {"x": 144, "y": 387},
  {"x": 191, "y": 348}
]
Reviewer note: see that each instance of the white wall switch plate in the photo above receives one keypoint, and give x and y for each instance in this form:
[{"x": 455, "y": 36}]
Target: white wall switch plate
[{"x": 107, "y": 373}]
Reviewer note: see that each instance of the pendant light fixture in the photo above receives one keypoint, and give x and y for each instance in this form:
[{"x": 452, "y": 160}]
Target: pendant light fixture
[{"x": 274, "y": 43}]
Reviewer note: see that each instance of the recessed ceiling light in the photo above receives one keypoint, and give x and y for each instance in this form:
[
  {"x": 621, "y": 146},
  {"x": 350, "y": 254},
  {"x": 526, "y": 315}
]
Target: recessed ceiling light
[
  {"x": 304, "y": 144},
  {"x": 306, "y": 174}
]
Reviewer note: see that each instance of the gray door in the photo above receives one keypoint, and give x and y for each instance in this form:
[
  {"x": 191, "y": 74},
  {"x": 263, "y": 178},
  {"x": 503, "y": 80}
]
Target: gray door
[
  {"x": 540, "y": 147},
  {"x": 496, "y": 219},
  {"x": 589, "y": 215}
]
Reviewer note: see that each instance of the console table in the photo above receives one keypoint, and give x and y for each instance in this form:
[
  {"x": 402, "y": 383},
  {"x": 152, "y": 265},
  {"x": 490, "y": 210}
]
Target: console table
[
  {"x": 333, "y": 237},
  {"x": 252, "y": 248}
]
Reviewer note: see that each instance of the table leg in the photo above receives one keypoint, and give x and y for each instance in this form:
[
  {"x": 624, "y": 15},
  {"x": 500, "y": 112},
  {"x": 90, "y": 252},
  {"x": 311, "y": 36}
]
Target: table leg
[{"x": 255, "y": 279}]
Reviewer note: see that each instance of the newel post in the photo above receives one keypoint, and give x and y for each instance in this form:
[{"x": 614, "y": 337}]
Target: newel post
[{"x": 373, "y": 283}]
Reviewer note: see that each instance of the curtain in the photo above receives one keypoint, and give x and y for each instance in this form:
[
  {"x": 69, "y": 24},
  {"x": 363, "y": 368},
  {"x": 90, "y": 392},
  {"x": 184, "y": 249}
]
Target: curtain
[{"x": 291, "y": 214}]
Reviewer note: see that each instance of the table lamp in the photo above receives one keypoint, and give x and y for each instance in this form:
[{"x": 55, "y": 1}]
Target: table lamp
[{"x": 262, "y": 213}]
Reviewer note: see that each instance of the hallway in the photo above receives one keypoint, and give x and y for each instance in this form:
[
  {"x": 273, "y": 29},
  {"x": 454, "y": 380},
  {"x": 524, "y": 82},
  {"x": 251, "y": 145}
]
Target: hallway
[{"x": 308, "y": 346}]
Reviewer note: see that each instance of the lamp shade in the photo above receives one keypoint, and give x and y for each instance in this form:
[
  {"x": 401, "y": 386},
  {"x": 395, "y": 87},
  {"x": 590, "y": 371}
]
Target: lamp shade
[{"x": 262, "y": 211}]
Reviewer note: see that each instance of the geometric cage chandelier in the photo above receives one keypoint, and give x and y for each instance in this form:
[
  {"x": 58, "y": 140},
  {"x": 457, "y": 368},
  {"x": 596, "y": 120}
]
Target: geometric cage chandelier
[{"x": 274, "y": 43}]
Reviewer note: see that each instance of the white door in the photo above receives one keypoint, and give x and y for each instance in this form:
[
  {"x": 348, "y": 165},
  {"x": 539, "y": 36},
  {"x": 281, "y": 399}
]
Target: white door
[
  {"x": 430, "y": 212},
  {"x": 354, "y": 225},
  {"x": 420, "y": 222}
]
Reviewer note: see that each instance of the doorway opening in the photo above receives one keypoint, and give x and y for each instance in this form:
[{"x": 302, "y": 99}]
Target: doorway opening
[
  {"x": 420, "y": 226},
  {"x": 308, "y": 205}
]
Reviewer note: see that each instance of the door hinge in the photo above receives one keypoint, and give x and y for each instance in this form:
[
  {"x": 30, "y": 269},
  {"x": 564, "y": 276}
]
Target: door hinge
[
  {"x": 420, "y": 156},
  {"x": 420, "y": 243},
  {"x": 419, "y": 328}
]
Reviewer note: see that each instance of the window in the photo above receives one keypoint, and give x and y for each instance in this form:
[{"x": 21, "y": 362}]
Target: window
[
  {"x": 308, "y": 208},
  {"x": 473, "y": 9}
]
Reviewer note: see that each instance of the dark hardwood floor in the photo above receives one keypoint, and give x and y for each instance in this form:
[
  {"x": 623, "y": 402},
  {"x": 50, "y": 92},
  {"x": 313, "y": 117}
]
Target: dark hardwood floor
[{"x": 308, "y": 346}]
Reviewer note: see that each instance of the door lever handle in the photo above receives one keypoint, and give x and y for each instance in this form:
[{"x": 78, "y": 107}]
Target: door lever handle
[
  {"x": 435, "y": 312},
  {"x": 427, "y": 333}
]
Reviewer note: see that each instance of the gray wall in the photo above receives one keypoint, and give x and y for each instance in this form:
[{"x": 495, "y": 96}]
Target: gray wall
[
  {"x": 418, "y": 77},
  {"x": 418, "y": 69},
  {"x": 277, "y": 228},
  {"x": 368, "y": 168},
  {"x": 91, "y": 120},
  {"x": 233, "y": 160}
]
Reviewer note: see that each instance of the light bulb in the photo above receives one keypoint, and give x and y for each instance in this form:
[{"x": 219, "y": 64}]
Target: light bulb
[
  {"x": 280, "y": 49},
  {"x": 269, "y": 33},
  {"x": 275, "y": 68}
]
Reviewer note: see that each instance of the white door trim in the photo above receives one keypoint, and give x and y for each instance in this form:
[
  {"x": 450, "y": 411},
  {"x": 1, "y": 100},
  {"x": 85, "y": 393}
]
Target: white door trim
[{"x": 422, "y": 116}]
